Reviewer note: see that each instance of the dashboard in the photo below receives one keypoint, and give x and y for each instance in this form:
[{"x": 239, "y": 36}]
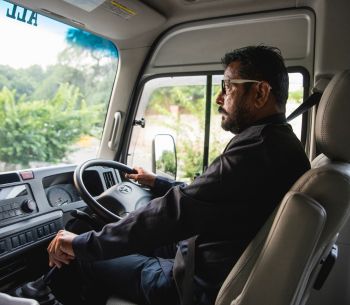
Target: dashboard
[
  {"x": 33, "y": 203},
  {"x": 60, "y": 194}
]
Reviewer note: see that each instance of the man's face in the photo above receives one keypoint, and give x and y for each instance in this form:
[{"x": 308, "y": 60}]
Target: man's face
[{"x": 236, "y": 105}]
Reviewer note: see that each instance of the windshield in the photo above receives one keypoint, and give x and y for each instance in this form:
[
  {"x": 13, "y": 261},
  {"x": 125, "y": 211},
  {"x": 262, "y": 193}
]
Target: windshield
[{"x": 55, "y": 85}]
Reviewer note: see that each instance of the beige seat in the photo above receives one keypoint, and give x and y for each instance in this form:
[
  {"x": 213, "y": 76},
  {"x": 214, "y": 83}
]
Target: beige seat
[
  {"x": 280, "y": 265},
  {"x": 118, "y": 301},
  {"x": 6, "y": 299}
]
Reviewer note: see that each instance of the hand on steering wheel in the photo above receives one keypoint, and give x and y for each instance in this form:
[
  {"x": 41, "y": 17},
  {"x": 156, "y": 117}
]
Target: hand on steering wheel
[
  {"x": 142, "y": 176},
  {"x": 117, "y": 201}
]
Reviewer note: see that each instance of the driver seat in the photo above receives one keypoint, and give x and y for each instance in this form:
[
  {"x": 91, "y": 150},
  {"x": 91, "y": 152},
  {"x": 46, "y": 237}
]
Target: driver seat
[{"x": 281, "y": 264}]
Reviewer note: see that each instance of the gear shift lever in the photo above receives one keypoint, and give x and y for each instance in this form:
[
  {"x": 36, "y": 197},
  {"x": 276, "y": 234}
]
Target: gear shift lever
[
  {"x": 39, "y": 289},
  {"x": 46, "y": 279}
]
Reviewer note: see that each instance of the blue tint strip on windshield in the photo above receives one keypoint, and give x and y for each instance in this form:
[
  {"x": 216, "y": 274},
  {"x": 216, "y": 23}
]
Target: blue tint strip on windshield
[
  {"x": 90, "y": 41},
  {"x": 74, "y": 36}
]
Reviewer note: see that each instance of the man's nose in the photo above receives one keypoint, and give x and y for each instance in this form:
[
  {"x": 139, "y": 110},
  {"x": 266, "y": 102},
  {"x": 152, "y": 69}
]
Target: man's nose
[{"x": 220, "y": 99}]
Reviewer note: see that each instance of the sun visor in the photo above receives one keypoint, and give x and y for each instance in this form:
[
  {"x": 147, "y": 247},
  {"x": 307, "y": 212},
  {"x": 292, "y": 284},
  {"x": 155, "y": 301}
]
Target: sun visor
[{"x": 114, "y": 19}]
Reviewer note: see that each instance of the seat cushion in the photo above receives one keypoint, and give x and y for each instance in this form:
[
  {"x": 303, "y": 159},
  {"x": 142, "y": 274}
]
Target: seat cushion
[
  {"x": 9, "y": 300},
  {"x": 118, "y": 301}
]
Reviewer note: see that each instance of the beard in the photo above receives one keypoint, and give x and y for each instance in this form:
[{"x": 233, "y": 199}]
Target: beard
[{"x": 236, "y": 121}]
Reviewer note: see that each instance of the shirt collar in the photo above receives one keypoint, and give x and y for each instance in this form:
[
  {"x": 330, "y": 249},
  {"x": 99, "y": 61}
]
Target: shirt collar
[{"x": 279, "y": 118}]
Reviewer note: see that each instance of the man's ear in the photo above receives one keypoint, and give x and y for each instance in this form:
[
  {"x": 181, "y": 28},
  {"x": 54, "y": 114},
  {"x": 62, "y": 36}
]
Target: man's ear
[{"x": 262, "y": 94}]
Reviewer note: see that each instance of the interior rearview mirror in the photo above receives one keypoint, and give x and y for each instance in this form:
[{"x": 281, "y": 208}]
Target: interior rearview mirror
[{"x": 164, "y": 160}]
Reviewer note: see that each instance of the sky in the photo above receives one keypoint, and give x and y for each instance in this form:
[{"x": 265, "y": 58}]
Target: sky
[{"x": 23, "y": 45}]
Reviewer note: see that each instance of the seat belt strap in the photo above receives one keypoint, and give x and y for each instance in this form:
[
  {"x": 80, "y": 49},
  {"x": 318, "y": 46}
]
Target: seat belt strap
[
  {"x": 311, "y": 101},
  {"x": 184, "y": 271}
]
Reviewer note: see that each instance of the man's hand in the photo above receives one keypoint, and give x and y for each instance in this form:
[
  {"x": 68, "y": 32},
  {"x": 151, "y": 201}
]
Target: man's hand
[
  {"x": 142, "y": 176},
  {"x": 60, "y": 249}
]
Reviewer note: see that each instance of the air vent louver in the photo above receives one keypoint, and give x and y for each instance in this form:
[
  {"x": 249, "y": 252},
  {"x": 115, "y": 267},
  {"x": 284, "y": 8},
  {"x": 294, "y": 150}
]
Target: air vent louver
[
  {"x": 109, "y": 179},
  {"x": 9, "y": 178}
]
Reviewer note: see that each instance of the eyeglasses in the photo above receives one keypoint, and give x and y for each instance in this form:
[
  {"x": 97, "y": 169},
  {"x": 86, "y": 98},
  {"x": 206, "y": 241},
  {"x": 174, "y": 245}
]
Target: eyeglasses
[{"x": 225, "y": 82}]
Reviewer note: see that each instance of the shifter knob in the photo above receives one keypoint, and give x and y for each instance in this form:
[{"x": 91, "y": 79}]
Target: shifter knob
[{"x": 39, "y": 290}]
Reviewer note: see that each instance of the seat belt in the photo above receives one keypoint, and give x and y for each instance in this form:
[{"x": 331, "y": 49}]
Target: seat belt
[
  {"x": 184, "y": 271},
  {"x": 311, "y": 101}
]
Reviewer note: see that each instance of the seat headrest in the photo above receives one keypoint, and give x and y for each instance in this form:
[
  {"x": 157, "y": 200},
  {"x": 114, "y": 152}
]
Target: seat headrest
[
  {"x": 332, "y": 119},
  {"x": 321, "y": 85}
]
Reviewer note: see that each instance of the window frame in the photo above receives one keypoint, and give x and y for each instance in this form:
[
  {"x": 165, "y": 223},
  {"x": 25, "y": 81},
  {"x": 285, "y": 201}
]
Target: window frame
[
  {"x": 138, "y": 90},
  {"x": 306, "y": 85}
]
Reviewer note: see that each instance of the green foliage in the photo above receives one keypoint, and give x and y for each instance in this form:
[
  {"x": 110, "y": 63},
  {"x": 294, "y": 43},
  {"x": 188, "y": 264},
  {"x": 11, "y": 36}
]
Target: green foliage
[
  {"x": 38, "y": 84},
  {"x": 23, "y": 81},
  {"x": 190, "y": 100},
  {"x": 215, "y": 149},
  {"x": 45, "y": 111},
  {"x": 166, "y": 163},
  {"x": 296, "y": 96},
  {"x": 97, "y": 71},
  {"x": 54, "y": 77},
  {"x": 192, "y": 158},
  {"x": 42, "y": 130},
  {"x": 184, "y": 108}
]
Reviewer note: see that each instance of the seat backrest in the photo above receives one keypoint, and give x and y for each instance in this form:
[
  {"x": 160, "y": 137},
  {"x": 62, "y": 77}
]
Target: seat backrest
[{"x": 281, "y": 263}]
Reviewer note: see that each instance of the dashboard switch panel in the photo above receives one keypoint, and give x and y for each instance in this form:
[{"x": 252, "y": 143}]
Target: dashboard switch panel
[
  {"x": 16, "y": 201},
  {"x": 24, "y": 238}
]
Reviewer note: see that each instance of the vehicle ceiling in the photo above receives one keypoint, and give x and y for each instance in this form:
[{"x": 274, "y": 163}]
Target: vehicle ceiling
[{"x": 152, "y": 16}]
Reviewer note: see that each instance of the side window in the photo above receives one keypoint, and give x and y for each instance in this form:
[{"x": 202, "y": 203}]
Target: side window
[
  {"x": 179, "y": 106},
  {"x": 175, "y": 106},
  {"x": 295, "y": 98}
]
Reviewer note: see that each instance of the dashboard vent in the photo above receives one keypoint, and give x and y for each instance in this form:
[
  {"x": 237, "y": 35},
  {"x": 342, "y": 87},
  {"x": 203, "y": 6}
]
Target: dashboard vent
[
  {"x": 109, "y": 179},
  {"x": 9, "y": 178}
]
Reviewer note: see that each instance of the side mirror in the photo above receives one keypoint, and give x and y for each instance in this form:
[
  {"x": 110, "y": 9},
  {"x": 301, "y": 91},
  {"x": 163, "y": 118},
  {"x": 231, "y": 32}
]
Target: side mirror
[{"x": 164, "y": 160}]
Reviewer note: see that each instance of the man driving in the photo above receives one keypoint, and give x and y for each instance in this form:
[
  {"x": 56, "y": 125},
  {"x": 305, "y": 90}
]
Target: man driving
[{"x": 218, "y": 214}]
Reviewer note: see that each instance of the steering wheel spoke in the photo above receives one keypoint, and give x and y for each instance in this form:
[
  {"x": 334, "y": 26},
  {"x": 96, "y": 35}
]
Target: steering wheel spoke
[{"x": 117, "y": 201}]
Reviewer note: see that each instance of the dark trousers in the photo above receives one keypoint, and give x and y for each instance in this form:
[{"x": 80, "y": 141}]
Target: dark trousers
[{"x": 137, "y": 278}]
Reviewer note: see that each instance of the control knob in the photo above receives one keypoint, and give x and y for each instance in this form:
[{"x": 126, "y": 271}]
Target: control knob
[{"x": 28, "y": 206}]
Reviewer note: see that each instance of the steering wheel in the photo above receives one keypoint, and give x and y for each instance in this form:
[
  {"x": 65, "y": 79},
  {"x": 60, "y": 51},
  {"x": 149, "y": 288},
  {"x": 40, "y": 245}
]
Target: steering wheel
[{"x": 117, "y": 201}]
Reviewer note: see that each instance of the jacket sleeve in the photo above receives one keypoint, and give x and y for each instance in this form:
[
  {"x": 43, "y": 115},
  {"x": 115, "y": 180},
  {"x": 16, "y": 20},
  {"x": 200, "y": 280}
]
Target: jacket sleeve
[
  {"x": 163, "y": 185},
  {"x": 163, "y": 221},
  {"x": 181, "y": 213}
]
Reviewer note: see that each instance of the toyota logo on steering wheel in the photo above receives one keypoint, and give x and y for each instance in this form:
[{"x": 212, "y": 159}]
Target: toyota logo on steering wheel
[{"x": 125, "y": 189}]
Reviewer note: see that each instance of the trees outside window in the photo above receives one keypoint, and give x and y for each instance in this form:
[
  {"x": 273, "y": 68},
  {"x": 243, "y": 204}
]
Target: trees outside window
[{"x": 54, "y": 94}]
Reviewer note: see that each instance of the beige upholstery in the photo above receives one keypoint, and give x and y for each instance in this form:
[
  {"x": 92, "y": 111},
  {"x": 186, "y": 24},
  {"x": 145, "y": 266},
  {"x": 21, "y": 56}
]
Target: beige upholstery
[
  {"x": 332, "y": 120},
  {"x": 293, "y": 237},
  {"x": 118, "y": 301},
  {"x": 270, "y": 271},
  {"x": 6, "y": 299},
  {"x": 320, "y": 85}
]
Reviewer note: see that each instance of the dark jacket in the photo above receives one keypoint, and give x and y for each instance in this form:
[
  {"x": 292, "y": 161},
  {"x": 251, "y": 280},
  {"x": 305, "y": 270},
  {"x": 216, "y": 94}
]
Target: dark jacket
[{"x": 225, "y": 206}]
